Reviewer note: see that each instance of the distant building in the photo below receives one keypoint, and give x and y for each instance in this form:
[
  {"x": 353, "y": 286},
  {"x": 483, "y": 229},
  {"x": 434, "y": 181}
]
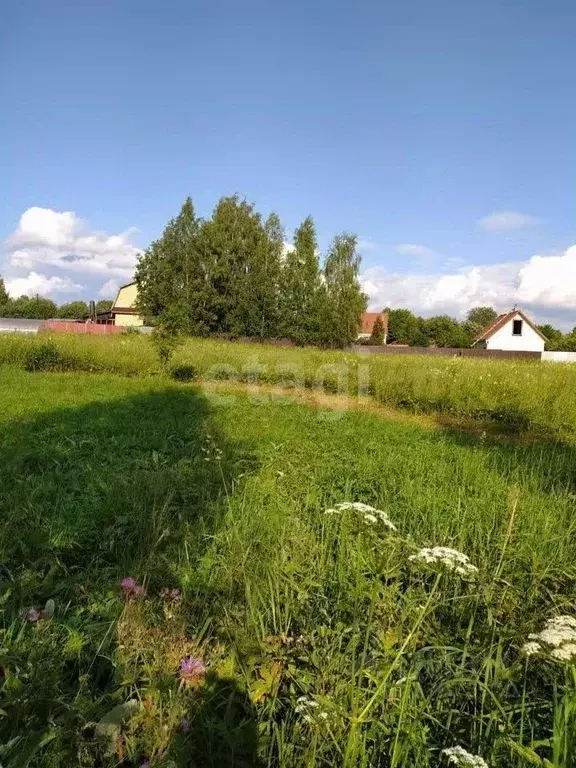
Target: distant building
[
  {"x": 123, "y": 311},
  {"x": 513, "y": 332},
  {"x": 19, "y": 325},
  {"x": 367, "y": 324}
]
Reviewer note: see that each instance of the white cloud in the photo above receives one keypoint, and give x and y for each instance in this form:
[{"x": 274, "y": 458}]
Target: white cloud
[
  {"x": 109, "y": 289},
  {"x": 543, "y": 285},
  {"x": 507, "y": 221},
  {"x": 549, "y": 280},
  {"x": 35, "y": 283},
  {"x": 62, "y": 240},
  {"x": 416, "y": 251}
]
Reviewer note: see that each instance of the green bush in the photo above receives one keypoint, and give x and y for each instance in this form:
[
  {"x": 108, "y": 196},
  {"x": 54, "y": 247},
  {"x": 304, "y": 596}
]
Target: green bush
[
  {"x": 47, "y": 357},
  {"x": 184, "y": 373}
]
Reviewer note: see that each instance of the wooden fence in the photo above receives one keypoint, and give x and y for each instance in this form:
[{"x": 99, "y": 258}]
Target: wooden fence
[
  {"x": 446, "y": 352},
  {"x": 65, "y": 326}
]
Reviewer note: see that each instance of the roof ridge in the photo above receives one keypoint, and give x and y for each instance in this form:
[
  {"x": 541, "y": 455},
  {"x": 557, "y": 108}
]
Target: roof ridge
[
  {"x": 501, "y": 321},
  {"x": 486, "y": 330}
]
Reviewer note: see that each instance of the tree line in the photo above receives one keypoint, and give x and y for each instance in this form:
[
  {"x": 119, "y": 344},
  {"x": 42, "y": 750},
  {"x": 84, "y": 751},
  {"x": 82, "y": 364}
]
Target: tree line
[
  {"x": 404, "y": 327},
  {"x": 40, "y": 308},
  {"x": 233, "y": 274}
]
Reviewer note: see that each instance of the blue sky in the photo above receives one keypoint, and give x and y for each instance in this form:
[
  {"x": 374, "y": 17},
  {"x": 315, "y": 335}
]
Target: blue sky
[{"x": 442, "y": 133}]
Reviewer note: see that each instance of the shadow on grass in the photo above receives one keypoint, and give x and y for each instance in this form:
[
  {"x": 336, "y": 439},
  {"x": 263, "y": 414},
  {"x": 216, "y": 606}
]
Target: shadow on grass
[
  {"x": 223, "y": 731},
  {"x": 109, "y": 487},
  {"x": 90, "y": 495},
  {"x": 543, "y": 459}
]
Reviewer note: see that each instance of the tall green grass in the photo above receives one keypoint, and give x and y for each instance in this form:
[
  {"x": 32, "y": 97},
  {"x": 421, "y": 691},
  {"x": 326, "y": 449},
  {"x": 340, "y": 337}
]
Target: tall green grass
[
  {"x": 324, "y": 644},
  {"x": 521, "y": 394}
]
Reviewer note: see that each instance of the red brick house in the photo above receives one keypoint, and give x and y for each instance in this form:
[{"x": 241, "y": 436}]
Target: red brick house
[{"x": 367, "y": 324}]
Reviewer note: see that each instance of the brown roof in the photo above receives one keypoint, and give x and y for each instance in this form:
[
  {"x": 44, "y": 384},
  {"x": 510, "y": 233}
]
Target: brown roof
[
  {"x": 369, "y": 318},
  {"x": 123, "y": 311},
  {"x": 501, "y": 321}
]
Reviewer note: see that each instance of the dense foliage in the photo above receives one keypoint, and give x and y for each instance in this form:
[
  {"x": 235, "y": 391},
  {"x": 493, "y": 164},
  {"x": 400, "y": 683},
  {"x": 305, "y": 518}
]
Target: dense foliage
[
  {"x": 232, "y": 274},
  {"x": 41, "y": 308},
  {"x": 404, "y": 327},
  {"x": 378, "y": 333}
]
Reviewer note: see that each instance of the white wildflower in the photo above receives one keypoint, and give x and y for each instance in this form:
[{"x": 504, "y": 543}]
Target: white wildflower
[
  {"x": 565, "y": 652},
  {"x": 303, "y": 703},
  {"x": 555, "y": 637},
  {"x": 459, "y": 756},
  {"x": 558, "y": 637},
  {"x": 447, "y": 558},
  {"x": 531, "y": 648},
  {"x": 357, "y": 505},
  {"x": 370, "y": 514},
  {"x": 562, "y": 622},
  {"x": 309, "y": 709}
]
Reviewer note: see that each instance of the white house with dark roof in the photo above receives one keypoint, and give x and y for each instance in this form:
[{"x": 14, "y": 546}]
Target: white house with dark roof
[{"x": 513, "y": 332}]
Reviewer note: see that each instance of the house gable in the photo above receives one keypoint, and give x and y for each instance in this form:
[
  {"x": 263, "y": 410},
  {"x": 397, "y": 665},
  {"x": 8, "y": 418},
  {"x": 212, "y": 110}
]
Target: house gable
[
  {"x": 126, "y": 297},
  {"x": 512, "y": 331},
  {"x": 124, "y": 311}
]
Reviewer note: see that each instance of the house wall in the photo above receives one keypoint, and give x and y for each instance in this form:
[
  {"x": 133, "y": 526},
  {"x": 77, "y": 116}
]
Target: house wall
[
  {"x": 125, "y": 320},
  {"x": 127, "y": 296},
  {"x": 529, "y": 341}
]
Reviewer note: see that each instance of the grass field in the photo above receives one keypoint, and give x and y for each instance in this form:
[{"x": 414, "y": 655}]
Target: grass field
[
  {"x": 318, "y": 641},
  {"x": 526, "y": 395}
]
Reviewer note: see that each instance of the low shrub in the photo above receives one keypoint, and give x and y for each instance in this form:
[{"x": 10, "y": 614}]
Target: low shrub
[
  {"x": 184, "y": 373},
  {"x": 47, "y": 357}
]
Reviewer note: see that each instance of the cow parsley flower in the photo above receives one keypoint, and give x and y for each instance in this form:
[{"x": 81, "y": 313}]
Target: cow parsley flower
[
  {"x": 460, "y": 757},
  {"x": 371, "y": 515},
  {"x": 565, "y": 652},
  {"x": 558, "y": 638},
  {"x": 309, "y": 709},
  {"x": 531, "y": 648},
  {"x": 447, "y": 559}
]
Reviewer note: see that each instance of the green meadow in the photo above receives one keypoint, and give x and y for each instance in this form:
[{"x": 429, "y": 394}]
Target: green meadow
[{"x": 265, "y": 626}]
